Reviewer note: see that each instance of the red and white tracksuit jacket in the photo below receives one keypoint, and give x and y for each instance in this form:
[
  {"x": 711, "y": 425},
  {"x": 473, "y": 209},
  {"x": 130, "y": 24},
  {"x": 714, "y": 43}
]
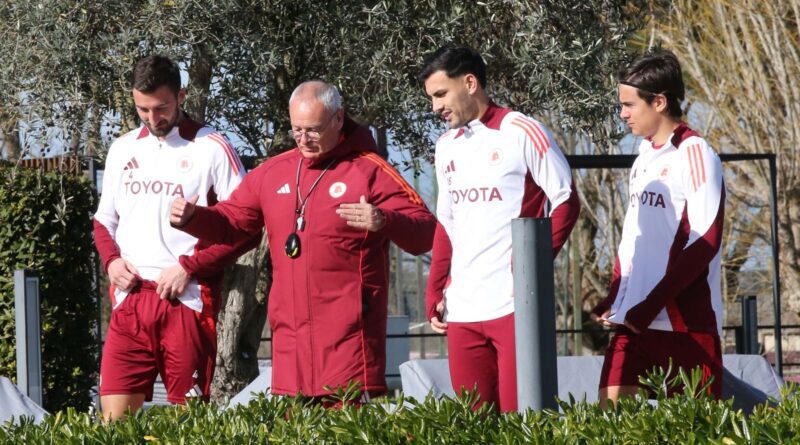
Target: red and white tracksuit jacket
[
  {"x": 667, "y": 271},
  {"x": 328, "y": 307},
  {"x": 502, "y": 166},
  {"x": 142, "y": 176}
]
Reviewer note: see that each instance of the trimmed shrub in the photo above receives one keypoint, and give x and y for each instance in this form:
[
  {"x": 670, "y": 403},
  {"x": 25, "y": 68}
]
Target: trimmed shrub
[
  {"x": 45, "y": 226},
  {"x": 689, "y": 418}
]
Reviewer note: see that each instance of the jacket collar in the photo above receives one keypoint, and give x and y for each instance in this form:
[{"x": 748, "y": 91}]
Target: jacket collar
[
  {"x": 187, "y": 129},
  {"x": 353, "y": 139},
  {"x": 491, "y": 118}
]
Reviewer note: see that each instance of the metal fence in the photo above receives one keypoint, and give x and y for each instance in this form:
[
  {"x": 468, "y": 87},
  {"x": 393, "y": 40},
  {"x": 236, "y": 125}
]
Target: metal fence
[{"x": 430, "y": 344}]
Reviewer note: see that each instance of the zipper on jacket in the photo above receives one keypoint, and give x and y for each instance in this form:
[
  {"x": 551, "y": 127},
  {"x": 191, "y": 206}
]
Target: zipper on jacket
[{"x": 311, "y": 200}]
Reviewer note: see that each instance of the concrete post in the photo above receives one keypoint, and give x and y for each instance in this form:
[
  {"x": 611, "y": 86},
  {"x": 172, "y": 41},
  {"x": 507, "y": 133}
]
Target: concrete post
[
  {"x": 28, "y": 327},
  {"x": 534, "y": 313}
]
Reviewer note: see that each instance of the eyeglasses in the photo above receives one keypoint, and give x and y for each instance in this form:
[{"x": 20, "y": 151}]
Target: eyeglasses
[{"x": 312, "y": 135}]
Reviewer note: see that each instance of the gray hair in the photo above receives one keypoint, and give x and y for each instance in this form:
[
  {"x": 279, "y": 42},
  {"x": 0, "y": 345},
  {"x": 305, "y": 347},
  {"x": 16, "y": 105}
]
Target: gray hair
[{"x": 324, "y": 92}]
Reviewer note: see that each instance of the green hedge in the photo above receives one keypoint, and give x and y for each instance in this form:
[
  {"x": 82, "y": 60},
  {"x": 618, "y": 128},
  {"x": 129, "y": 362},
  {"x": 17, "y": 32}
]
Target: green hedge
[
  {"x": 689, "y": 418},
  {"x": 45, "y": 226}
]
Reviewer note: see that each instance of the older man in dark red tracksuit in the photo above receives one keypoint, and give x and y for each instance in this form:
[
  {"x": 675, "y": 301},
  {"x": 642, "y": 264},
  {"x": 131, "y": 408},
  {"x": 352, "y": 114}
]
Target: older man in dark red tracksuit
[{"x": 330, "y": 208}]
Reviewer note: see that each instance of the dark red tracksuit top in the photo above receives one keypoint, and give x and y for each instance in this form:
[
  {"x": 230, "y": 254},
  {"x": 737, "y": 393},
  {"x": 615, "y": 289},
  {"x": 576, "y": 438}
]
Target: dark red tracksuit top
[{"x": 328, "y": 307}]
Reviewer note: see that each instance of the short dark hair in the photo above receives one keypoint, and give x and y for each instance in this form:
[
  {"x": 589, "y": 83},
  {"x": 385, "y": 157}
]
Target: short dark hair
[
  {"x": 153, "y": 72},
  {"x": 654, "y": 73},
  {"x": 455, "y": 60}
]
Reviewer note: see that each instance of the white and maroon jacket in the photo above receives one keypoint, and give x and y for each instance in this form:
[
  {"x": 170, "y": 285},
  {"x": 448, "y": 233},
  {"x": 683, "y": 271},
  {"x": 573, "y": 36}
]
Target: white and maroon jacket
[
  {"x": 142, "y": 177},
  {"x": 502, "y": 166},
  {"x": 667, "y": 271}
]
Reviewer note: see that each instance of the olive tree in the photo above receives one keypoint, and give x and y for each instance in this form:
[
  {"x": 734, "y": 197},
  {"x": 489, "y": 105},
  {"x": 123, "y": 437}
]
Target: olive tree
[{"x": 63, "y": 86}]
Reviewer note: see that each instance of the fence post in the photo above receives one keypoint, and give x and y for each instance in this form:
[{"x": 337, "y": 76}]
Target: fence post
[
  {"x": 750, "y": 325},
  {"x": 534, "y": 313},
  {"x": 28, "y": 327},
  {"x": 776, "y": 264}
]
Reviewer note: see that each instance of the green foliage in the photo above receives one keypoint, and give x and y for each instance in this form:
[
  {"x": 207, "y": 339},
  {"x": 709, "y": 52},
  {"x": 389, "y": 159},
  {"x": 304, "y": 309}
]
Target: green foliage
[
  {"x": 689, "y": 418},
  {"x": 45, "y": 226},
  {"x": 554, "y": 57}
]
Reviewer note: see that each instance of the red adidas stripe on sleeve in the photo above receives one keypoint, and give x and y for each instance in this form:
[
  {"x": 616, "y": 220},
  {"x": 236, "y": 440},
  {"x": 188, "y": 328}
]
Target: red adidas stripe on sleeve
[
  {"x": 537, "y": 136},
  {"x": 696, "y": 166},
  {"x": 233, "y": 158}
]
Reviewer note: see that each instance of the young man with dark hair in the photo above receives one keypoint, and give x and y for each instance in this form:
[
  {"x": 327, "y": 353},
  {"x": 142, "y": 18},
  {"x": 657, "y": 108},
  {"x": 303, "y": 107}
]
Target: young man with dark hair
[
  {"x": 153, "y": 72},
  {"x": 165, "y": 284},
  {"x": 495, "y": 164},
  {"x": 664, "y": 299}
]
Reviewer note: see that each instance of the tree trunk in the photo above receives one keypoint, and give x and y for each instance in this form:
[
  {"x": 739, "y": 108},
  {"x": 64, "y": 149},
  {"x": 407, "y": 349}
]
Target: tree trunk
[
  {"x": 200, "y": 72},
  {"x": 240, "y": 322},
  {"x": 244, "y": 296},
  {"x": 10, "y": 147}
]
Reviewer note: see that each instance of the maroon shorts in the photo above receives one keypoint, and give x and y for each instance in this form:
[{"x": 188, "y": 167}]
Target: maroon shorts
[
  {"x": 482, "y": 353},
  {"x": 149, "y": 336},
  {"x": 632, "y": 355}
]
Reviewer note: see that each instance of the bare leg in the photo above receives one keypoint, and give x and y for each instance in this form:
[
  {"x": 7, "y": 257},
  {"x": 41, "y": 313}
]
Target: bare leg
[
  {"x": 613, "y": 393},
  {"x": 116, "y": 405}
]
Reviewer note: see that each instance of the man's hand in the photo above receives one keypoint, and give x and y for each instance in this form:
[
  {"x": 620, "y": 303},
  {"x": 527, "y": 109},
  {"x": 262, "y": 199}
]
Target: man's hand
[
  {"x": 172, "y": 282},
  {"x": 122, "y": 274},
  {"x": 437, "y": 325},
  {"x": 362, "y": 215},
  {"x": 182, "y": 211},
  {"x": 603, "y": 320}
]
